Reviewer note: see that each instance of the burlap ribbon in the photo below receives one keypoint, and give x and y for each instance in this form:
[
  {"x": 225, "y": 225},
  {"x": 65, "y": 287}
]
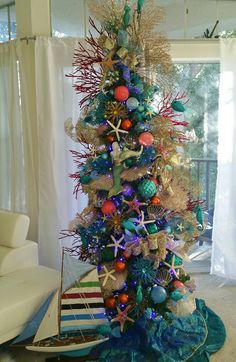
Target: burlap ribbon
[{"x": 152, "y": 247}]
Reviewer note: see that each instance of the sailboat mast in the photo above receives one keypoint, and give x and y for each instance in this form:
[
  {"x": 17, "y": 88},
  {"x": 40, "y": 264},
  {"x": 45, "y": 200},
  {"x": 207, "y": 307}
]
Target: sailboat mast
[{"x": 60, "y": 292}]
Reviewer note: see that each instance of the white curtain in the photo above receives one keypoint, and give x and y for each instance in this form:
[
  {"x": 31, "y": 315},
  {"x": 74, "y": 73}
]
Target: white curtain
[
  {"x": 18, "y": 176},
  {"x": 56, "y": 101},
  {"x": 224, "y": 230}
]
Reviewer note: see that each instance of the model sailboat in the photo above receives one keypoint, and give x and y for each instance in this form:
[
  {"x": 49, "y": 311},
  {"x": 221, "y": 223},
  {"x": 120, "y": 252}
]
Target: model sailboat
[{"x": 69, "y": 318}]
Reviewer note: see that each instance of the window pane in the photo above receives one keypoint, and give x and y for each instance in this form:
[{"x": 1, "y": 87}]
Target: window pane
[
  {"x": 4, "y": 31},
  {"x": 68, "y": 18},
  {"x": 201, "y": 84},
  {"x": 13, "y": 21},
  {"x": 227, "y": 11}
]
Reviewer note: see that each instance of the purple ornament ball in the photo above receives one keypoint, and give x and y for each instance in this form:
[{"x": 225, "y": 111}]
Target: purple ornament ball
[{"x": 127, "y": 190}]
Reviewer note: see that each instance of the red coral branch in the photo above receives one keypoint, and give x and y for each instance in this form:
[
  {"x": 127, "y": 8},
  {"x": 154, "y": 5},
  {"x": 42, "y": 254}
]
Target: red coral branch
[
  {"x": 78, "y": 187},
  {"x": 80, "y": 158},
  {"x": 87, "y": 72},
  {"x": 194, "y": 203},
  {"x": 165, "y": 109},
  {"x": 77, "y": 249}
]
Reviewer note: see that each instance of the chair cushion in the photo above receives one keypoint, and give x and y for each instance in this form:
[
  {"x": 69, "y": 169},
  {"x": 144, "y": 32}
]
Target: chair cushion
[
  {"x": 22, "y": 293},
  {"x": 13, "y": 229}
]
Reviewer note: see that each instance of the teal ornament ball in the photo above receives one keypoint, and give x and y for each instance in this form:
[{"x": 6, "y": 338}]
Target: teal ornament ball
[
  {"x": 132, "y": 103},
  {"x": 147, "y": 189},
  {"x": 168, "y": 230},
  {"x": 152, "y": 228},
  {"x": 128, "y": 225},
  {"x": 85, "y": 180},
  {"x": 176, "y": 295},
  {"x": 104, "y": 155},
  {"x": 158, "y": 294},
  {"x": 177, "y": 106},
  {"x": 140, "y": 108}
]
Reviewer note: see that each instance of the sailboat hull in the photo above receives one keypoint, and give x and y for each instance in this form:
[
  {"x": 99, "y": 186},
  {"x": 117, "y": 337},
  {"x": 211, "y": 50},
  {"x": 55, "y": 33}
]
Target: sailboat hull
[{"x": 65, "y": 348}]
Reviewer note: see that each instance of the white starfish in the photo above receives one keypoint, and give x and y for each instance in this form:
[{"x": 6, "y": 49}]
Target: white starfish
[
  {"x": 173, "y": 267},
  {"x": 116, "y": 129},
  {"x": 180, "y": 227},
  {"x": 107, "y": 275},
  {"x": 142, "y": 222},
  {"x": 116, "y": 244}
]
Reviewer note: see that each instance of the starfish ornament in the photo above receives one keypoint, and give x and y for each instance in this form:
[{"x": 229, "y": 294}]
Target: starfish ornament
[
  {"x": 142, "y": 222},
  {"x": 150, "y": 112},
  {"x": 116, "y": 129},
  {"x": 180, "y": 227},
  {"x": 172, "y": 267},
  {"x": 107, "y": 275},
  {"x": 104, "y": 218},
  {"x": 108, "y": 63},
  {"x": 122, "y": 317},
  {"x": 134, "y": 205},
  {"x": 148, "y": 100},
  {"x": 116, "y": 244}
]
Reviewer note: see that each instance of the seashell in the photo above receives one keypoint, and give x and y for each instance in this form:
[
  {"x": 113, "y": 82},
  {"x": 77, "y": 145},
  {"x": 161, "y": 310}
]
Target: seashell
[
  {"x": 163, "y": 277},
  {"x": 154, "y": 210}
]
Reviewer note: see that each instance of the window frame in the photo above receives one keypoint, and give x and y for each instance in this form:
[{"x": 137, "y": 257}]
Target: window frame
[{"x": 195, "y": 50}]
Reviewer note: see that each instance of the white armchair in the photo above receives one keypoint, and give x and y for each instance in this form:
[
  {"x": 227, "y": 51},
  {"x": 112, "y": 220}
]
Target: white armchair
[{"x": 24, "y": 284}]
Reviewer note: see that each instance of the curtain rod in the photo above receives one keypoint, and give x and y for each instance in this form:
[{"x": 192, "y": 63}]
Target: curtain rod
[{"x": 28, "y": 38}]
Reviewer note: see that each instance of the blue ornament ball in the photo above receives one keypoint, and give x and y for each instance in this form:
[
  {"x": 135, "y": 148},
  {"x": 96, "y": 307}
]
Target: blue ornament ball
[
  {"x": 132, "y": 103},
  {"x": 158, "y": 294}
]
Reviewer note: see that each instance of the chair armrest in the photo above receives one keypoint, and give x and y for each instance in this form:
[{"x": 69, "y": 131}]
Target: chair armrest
[
  {"x": 18, "y": 258},
  {"x": 13, "y": 229}
]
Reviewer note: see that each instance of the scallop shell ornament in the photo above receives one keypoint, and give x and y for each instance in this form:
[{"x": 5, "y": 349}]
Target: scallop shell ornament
[{"x": 163, "y": 277}]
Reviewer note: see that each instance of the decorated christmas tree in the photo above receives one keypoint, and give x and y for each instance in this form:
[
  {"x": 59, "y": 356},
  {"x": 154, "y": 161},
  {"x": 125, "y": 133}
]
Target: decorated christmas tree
[{"x": 143, "y": 212}]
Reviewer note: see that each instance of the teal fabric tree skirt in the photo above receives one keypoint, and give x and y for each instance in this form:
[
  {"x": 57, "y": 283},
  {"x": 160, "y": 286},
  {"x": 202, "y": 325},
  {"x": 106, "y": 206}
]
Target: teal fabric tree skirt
[{"x": 193, "y": 338}]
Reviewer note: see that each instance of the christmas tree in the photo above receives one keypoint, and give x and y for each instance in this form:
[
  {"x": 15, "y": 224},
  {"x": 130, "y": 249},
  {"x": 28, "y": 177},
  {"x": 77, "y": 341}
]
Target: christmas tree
[{"x": 143, "y": 213}]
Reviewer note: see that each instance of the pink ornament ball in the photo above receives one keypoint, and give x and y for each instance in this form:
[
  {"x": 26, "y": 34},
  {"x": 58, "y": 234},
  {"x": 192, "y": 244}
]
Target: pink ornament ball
[
  {"x": 178, "y": 284},
  {"x": 101, "y": 129},
  {"x": 121, "y": 93},
  {"x": 146, "y": 139},
  {"x": 108, "y": 207}
]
